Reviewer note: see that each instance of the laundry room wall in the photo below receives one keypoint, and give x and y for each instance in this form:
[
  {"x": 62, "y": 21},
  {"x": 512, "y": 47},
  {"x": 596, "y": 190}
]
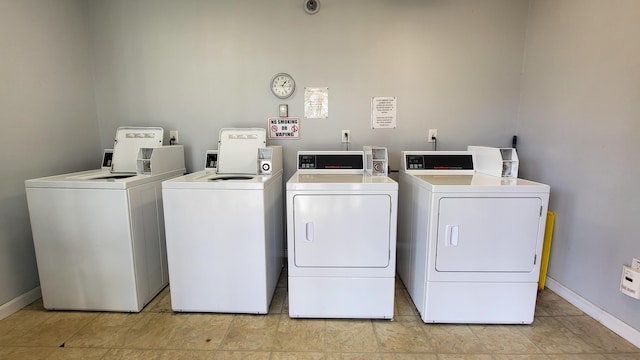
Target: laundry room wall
[
  {"x": 198, "y": 66},
  {"x": 48, "y": 121},
  {"x": 579, "y": 131}
]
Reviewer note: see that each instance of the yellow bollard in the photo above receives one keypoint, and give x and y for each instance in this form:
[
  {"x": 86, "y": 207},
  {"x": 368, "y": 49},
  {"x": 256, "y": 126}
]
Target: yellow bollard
[{"x": 546, "y": 249}]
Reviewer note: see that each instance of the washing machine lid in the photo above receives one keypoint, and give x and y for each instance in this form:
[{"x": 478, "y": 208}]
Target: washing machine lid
[
  {"x": 128, "y": 142},
  {"x": 238, "y": 150}
]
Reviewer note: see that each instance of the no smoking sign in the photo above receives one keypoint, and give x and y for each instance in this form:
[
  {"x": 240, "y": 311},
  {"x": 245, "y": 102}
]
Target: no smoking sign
[{"x": 284, "y": 128}]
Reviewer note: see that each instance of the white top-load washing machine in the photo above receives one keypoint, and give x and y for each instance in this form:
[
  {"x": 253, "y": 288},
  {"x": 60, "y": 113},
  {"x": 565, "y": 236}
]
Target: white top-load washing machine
[
  {"x": 469, "y": 244},
  {"x": 225, "y": 229},
  {"x": 341, "y": 235},
  {"x": 99, "y": 234}
]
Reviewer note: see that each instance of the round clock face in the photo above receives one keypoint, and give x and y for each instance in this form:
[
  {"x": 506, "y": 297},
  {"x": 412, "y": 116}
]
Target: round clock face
[{"x": 282, "y": 85}]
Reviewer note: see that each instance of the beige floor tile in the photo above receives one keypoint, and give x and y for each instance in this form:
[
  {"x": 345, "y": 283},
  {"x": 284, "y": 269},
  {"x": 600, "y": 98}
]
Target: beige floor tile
[
  {"x": 55, "y": 330},
  {"x": 351, "y": 336},
  {"x": 553, "y": 338},
  {"x": 299, "y": 334},
  {"x": 283, "y": 280},
  {"x": 465, "y": 357},
  {"x": 133, "y": 354},
  {"x": 285, "y": 305},
  {"x": 242, "y": 355},
  {"x": 138, "y": 354},
  {"x": 29, "y": 353},
  {"x": 403, "y": 304},
  {"x": 178, "y": 331},
  {"x": 200, "y": 331},
  {"x": 628, "y": 356},
  {"x": 504, "y": 339},
  {"x": 36, "y": 305},
  {"x": 353, "y": 356},
  {"x": 454, "y": 339},
  {"x": 15, "y": 325},
  {"x": 152, "y": 331},
  {"x": 25, "y": 319},
  {"x": 521, "y": 357},
  {"x": 187, "y": 355},
  {"x": 403, "y": 334},
  {"x": 560, "y": 332},
  {"x": 251, "y": 332},
  {"x": 297, "y": 356},
  {"x": 402, "y": 356},
  {"x": 107, "y": 330},
  {"x": 66, "y": 353},
  {"x": 277, "y": 303},
  {"x": 161, "y": 303},
  {"x": 596, "y": 334},
  {"x": 550, "y": 304},
  {"x": 577, "y": 357}
]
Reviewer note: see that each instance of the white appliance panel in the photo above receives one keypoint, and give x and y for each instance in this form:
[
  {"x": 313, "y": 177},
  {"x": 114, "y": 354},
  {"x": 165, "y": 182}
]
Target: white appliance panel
[
  {"x": 238, "y": 150},
  {"x": 341, "y": 230},
  {"x": 479, "y": 302},
  {"x": 128, "y": 141},
  {"x": 485, "y": 234},
  {"x": 341, "y": 297},
  {"x": 224, "y": 245},
  {"x": 99, "y": 270},
  {"x": 203, "y": 236}
]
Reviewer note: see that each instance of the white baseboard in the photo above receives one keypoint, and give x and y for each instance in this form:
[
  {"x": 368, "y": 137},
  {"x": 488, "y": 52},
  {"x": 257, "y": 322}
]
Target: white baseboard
[
  {"x": 614, "y": 324},
  {"x": 18, "y": 303}
]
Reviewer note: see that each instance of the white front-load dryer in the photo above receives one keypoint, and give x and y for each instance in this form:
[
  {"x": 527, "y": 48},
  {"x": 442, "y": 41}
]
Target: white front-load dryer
[
  {"x": 469, "y": 244},
  {"x": 225, "y": 230},
  {"x": 341, "y": 236},
  {"x": 99, "y": 234}
]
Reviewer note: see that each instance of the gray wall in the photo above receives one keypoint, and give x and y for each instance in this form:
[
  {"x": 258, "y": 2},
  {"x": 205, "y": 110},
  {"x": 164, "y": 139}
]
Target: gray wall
[
  {"x": 579, "y": 131},
  {"x": 47, "y": 115},
  {"x": 198, "y": 66}
]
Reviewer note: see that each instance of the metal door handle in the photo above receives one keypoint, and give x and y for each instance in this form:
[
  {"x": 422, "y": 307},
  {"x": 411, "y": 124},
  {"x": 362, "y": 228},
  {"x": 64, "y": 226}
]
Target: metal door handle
[
  {"x": 452, "y": 235},
  {"x": 309, "y": 231}
]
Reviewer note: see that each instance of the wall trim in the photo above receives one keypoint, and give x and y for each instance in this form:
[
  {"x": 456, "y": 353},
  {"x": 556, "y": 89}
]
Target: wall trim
[
  {"x": 611, "y": 322},
  {"x": 18, "y": 303}
]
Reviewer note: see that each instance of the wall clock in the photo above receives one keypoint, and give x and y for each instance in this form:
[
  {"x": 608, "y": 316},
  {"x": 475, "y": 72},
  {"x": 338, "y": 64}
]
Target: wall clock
[{"x": 283, "y": 85}]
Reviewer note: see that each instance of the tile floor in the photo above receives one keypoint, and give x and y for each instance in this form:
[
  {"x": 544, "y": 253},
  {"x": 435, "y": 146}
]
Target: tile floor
[{"x": 560, "y": 332}]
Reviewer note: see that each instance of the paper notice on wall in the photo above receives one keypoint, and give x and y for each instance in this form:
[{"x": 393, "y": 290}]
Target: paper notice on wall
[
  {"x": 316, "y": 103},
  {"x": 383, "y": 112}
]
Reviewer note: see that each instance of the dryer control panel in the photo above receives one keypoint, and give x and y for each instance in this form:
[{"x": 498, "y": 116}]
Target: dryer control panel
[
  {"x": 331, "y": 160},
  {"x": 443, "y": 162}
]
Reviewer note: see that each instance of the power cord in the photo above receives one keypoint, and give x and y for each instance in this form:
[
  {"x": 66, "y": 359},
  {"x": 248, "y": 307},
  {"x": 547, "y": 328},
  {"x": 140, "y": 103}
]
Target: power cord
[
  {"x": 172, "y": 141},
  {"x": 435, "y": 143}
]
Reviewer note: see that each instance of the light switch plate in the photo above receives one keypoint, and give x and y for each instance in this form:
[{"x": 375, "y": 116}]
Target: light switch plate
[{"x": 283, "y": 110}]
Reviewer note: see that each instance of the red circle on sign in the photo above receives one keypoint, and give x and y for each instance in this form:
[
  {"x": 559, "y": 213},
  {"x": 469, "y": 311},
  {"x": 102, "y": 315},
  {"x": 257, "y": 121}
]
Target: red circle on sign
[
  {"x": 274, "y": 128},
  {"x": 294, "y": 128}
]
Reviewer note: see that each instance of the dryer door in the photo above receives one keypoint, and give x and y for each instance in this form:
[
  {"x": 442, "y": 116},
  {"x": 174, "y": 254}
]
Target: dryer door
[
  {"x": 340, "y": 230},
  {"x": 485, "y": 234}
]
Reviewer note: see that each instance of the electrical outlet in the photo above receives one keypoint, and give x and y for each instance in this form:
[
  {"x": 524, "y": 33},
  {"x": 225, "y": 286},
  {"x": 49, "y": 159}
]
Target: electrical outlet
[
  {"x": 433, "y": 133},
  {"x": 345, "y": 136},
  {"x": 173, "y": 137}
]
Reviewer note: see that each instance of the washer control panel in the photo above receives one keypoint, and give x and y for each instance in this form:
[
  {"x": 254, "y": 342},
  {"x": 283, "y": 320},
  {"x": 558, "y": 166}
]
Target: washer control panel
[{"x": 211, "y": 160}]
